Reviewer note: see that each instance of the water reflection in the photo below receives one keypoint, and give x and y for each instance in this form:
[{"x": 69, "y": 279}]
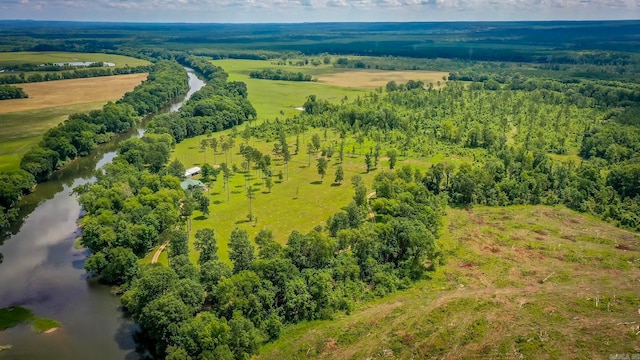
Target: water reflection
[{"x": 42, "y": 271}]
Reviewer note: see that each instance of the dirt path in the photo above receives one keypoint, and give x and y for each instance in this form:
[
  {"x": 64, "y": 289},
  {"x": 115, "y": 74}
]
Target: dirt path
[
  {"x": 372, "y": 215},
  {"x": 156, "y": 255}
]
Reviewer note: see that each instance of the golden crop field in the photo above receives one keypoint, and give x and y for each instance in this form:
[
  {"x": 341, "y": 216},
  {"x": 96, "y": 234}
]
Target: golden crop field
[
  {"x": 371, "y": 79},
  {"x": 72, "y": 92},
  {"x": 23, "y": 121}
]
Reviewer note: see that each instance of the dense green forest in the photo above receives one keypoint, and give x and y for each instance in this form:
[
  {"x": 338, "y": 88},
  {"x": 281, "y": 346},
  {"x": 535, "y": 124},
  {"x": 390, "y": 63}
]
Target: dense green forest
[{"x": 12, "y": 92}]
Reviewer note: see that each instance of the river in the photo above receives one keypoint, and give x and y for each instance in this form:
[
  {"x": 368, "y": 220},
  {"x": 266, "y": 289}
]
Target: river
[{"x": 42, "y": 271}]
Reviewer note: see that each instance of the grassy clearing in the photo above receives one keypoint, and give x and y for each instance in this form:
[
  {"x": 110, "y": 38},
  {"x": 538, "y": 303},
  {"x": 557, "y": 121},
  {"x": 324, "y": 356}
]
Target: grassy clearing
[
  {"x": 15, "y": 58},
  {"x": 14, "y": 315},
  {"x": 22, "y": 129},
  {"x": 298, "y": 203},
  {"x": 72, "y": 92},
  {"x": 520, "y": 282},
  {"x": 270, "y": 97}
]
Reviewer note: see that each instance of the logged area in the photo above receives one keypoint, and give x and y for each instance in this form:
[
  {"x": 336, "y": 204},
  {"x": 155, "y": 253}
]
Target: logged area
[
  {"x": 520, "y": 282},
  {"x": 72, "y": 92},
  {"x": 371, "y": 79}
]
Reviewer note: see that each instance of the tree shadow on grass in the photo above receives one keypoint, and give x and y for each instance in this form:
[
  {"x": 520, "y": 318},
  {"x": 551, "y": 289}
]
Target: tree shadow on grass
[
  {"x": 236, "y": 192},
  {"x": 335, "y": 184},
  {"x": 214, "y": 193},
  {"x": 242, "y": 221},
  {"x": 200, "y": 218},
  {"x": 317, "y": 182},
  {"x": 217, "y": 202}
]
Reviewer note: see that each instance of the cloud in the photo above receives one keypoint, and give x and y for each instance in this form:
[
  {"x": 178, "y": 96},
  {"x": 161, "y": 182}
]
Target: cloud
[{"x": 318, "y": 10}]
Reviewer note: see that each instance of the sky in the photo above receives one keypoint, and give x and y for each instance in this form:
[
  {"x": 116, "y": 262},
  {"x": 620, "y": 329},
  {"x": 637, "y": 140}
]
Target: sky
[{"x": 286, "y": 11}]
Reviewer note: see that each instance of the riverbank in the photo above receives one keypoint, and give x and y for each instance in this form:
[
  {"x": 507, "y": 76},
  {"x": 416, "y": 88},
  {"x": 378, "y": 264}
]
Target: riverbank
[{"x": 42, "y": 270}]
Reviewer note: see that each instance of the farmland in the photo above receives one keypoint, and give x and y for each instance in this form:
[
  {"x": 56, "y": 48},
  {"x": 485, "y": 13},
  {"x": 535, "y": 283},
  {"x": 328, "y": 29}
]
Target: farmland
[
  {"x": 49, "y": 103},
  {"x": 17, "y": 58}
]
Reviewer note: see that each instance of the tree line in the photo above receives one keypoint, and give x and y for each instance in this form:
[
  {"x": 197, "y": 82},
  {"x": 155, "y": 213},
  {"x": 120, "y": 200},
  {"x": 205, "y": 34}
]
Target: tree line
[
  {"x": 279, "y": 74},
  {"x": 81, "y": 133},
  {"x": 65, "y": 74},
  {"x": 8, "y": 92}
]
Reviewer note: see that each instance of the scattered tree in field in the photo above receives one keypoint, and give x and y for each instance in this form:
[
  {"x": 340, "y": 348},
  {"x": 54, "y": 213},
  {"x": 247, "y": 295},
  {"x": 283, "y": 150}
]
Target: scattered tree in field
[
  {"x": 368, "y": 162},
  {"x": 250, "y": 196},
  {"x": 356, "y": 180},
  {"x": 339, "y": 175},
  {"x": 227, "y": 175},
  {"x": 202, "y": 201},
  {"x": 268, "y": 183},
  {"x": 393, "y": 157},
  {"x": 214, "y": 146},
  {"x": 309, "y": 151},
  {"x": 204, "y": 144},
  {"x": 322, "y": 167},
  {"x": 241, "y": 252},
  {"x": 360, "y": 196},
  {"x": 247, "y": 133},
  {"x": 316, "y": 142},
  {"x": 207, "y": 245},
  {"x": 360, "y": 140}
]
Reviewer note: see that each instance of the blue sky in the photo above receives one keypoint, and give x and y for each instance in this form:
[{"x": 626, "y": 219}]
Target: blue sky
[{"x": 250, "y": 11}]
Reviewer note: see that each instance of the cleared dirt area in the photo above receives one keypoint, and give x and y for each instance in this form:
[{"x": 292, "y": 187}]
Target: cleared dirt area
[
  {"x": 71, "y": 92},
  {"x": 371, "y": 79},
  {"x": 519, "y": 282}
]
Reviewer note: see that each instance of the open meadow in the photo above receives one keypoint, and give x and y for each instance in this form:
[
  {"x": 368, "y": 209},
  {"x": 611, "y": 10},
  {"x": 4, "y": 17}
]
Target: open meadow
[
  {"x": 24, "y": 121},
  {"x": 519, "y": 282},
  {"x": 269, "y": 97},
  {"x": 300, "y": 201}
]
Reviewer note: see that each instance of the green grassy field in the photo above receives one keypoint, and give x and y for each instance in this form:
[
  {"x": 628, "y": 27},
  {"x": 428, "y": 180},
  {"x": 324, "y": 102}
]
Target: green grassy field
[
  {"x": 269, "y": 97},
  {"x": 299, "y": 202},
  {"x": 22, "y": 130},
  {"x": 526, "y": 282},
  {"x": 15, "y": 58}
]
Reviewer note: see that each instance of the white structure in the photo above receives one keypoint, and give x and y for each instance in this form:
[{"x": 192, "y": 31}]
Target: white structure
[{"x": 192, "y": 171}]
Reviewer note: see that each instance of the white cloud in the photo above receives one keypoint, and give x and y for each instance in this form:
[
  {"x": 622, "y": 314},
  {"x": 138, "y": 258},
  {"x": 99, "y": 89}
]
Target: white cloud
[{"x": 319, "y": 10}]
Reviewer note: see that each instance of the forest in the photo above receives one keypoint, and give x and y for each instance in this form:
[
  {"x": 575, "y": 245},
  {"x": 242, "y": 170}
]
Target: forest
[{"x": 547, "y": 119}]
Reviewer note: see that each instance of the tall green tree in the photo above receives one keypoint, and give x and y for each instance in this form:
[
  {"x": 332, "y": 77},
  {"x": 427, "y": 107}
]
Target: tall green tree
[
  {"x": 207, "y": 245},
  {"x": 241, "y": 251},
  {"x": 321, "y": 166},
  {"x": 339, "y": 174}
]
